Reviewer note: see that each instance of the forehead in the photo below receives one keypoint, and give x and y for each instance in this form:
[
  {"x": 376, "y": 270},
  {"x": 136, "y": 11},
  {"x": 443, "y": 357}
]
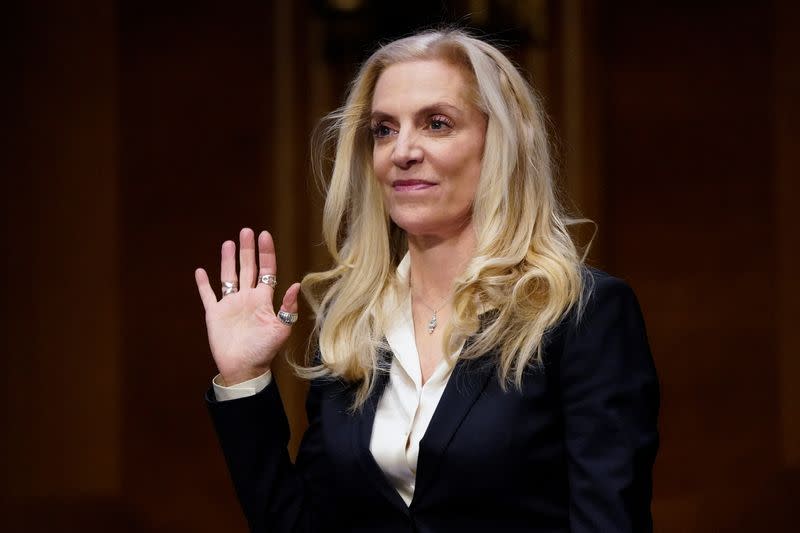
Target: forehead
[{"x": 419, "y": 83}]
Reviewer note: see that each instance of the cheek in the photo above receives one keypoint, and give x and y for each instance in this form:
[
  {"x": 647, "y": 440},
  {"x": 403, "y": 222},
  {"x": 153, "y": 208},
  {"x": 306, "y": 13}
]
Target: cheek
[
  {"x": 466, "y": 194},
  {"x": 380, "y": 163},
  {"x": 469, "y": 172},
  {"x": 473, "y": 173}
]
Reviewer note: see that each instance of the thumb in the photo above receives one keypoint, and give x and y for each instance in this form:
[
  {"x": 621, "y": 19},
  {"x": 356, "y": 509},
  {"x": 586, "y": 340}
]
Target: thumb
[{"x": 289, "y": 303}]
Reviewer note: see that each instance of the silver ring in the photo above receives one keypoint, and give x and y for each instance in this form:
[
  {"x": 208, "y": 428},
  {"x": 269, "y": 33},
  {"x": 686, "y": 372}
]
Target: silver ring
[
  {"x": 268, "y": 279},
  {"x": 286, "y": 317},
  {"x": 229, "y": 287}
]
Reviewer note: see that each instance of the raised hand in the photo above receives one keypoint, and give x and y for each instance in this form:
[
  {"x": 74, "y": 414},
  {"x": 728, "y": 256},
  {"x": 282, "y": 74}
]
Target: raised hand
[{"x": 244, "y": 332}]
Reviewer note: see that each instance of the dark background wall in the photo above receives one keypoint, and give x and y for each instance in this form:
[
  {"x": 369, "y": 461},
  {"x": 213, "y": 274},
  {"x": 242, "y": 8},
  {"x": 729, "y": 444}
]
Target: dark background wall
[{"x": 140, "y": 135}]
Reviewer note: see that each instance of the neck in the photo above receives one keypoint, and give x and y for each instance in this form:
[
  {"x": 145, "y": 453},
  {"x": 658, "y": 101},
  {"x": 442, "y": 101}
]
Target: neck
[{"x": 436, "y": 261}]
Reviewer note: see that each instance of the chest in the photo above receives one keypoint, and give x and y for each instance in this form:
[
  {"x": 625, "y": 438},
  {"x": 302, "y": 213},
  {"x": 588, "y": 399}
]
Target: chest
[
  {"x": 480, "y": 443},
  {"x": 429, "y": 327}
]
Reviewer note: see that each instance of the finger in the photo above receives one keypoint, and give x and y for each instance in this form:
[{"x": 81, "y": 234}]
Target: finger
[
  {"x": 290, "y": 298},
  {"x": 266, "y": 255},
  {"x": 267, "y": 262},
  {"x": 227, "y": 269},
  {"x": 289, "y": 306},
  {"x": 204, "y": 288},
  {"x": 247, "y": 258}
]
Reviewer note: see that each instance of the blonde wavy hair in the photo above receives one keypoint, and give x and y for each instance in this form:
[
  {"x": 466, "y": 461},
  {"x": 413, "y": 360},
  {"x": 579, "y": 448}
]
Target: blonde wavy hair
[{"x": 526, "y": 267}]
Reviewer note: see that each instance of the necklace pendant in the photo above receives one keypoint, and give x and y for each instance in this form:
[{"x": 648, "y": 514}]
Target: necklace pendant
[{"x": 432, "y": 323}]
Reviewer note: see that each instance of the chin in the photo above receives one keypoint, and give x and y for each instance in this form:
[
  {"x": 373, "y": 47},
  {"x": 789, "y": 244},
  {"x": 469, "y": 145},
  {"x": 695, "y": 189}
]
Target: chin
[
  {"x": 415, "y": 227},
  {"x": 430, "y": 226},
  {"x": 415, "y": 224}
]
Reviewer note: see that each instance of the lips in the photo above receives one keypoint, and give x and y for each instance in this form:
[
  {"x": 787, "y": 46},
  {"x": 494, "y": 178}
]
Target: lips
[{"x": 412, "y": 185}]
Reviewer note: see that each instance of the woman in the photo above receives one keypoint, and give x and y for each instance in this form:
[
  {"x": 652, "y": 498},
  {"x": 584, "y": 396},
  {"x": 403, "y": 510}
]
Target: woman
[{"x": 471, "y": 373}]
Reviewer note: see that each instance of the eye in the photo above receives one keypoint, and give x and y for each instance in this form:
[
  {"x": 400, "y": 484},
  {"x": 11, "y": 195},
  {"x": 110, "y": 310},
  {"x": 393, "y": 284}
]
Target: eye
[
  {"x": 440, "y": 122},
  {"x": 381, "y": 130}
]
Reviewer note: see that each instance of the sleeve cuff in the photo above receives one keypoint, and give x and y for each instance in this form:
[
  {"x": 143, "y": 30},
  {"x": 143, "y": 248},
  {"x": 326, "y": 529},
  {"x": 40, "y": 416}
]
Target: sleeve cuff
[{"x": 250, "y": 387}]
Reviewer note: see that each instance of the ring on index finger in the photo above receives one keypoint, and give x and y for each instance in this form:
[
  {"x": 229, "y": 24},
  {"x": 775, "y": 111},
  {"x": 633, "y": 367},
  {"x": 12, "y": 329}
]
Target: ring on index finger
[
  {"x": 268, "y": 279},
  {"x": 229, "y": 287}
]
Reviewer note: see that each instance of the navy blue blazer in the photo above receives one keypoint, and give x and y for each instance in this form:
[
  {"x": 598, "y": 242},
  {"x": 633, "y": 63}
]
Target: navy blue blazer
[{"x": 572, "y": 451}]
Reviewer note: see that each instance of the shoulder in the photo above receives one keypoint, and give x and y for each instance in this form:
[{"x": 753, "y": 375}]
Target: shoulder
[
  {"x": 602, "y": 350},
  {"x": 599, "y": 283},
  {"x": 603, "y": 293},
  {"x": 608, "y": 308}
]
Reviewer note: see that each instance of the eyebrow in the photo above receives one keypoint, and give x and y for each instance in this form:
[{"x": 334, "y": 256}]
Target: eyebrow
[{"x": 438, "y": 107}]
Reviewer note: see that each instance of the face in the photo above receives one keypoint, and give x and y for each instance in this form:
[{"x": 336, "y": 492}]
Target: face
[{"x": 428, "y": 146}]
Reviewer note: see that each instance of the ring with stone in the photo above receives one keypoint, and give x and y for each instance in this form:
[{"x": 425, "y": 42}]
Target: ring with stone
[
  {"x": 268, "y": 279},
  {"x": 229, "y": 287},
  {"x": 286, "y": 317}
]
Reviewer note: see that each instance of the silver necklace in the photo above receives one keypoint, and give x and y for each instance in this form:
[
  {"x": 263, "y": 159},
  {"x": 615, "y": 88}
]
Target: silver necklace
[{"x": 433, "y": 322}]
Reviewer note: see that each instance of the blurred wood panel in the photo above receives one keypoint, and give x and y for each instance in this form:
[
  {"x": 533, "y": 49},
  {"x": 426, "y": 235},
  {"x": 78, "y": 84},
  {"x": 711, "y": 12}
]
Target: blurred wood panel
[
  {"x": 61, "y": 356},
  {"x": 787, "y": 193},
  {"x": 196, "y": 131},
  {"x": 690, "y": 222}
]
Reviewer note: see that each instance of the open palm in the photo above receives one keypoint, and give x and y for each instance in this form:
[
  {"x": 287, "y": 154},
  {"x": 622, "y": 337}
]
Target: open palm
[{"x": 244, "y": 332}]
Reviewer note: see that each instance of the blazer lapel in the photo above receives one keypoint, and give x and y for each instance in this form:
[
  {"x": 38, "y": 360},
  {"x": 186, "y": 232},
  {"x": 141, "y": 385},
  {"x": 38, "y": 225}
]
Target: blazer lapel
[
  {"x": 465, "y": 385},
  {"x": 361, "y": 441}
]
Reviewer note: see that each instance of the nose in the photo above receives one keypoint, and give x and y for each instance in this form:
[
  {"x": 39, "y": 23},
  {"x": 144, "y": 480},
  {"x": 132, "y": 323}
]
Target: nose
[{"x": 407, "y": 150}]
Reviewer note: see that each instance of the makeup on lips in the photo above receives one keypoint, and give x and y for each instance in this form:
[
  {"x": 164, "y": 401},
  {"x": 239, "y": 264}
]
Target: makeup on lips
[{"x": 411, "y": 185}]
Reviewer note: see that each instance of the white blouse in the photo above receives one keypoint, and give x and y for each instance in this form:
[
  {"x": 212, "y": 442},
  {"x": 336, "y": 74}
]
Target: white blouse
[{"x": 406, "y": 406}]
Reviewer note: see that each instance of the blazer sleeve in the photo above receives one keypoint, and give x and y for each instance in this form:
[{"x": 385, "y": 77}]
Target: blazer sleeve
[
  {"x": 275, "y": 495},
  {"x": 610, "y": 398}
]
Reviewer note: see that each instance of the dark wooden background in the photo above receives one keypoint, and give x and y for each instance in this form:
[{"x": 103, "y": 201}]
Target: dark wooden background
[{"x": 141, "y": 134}]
